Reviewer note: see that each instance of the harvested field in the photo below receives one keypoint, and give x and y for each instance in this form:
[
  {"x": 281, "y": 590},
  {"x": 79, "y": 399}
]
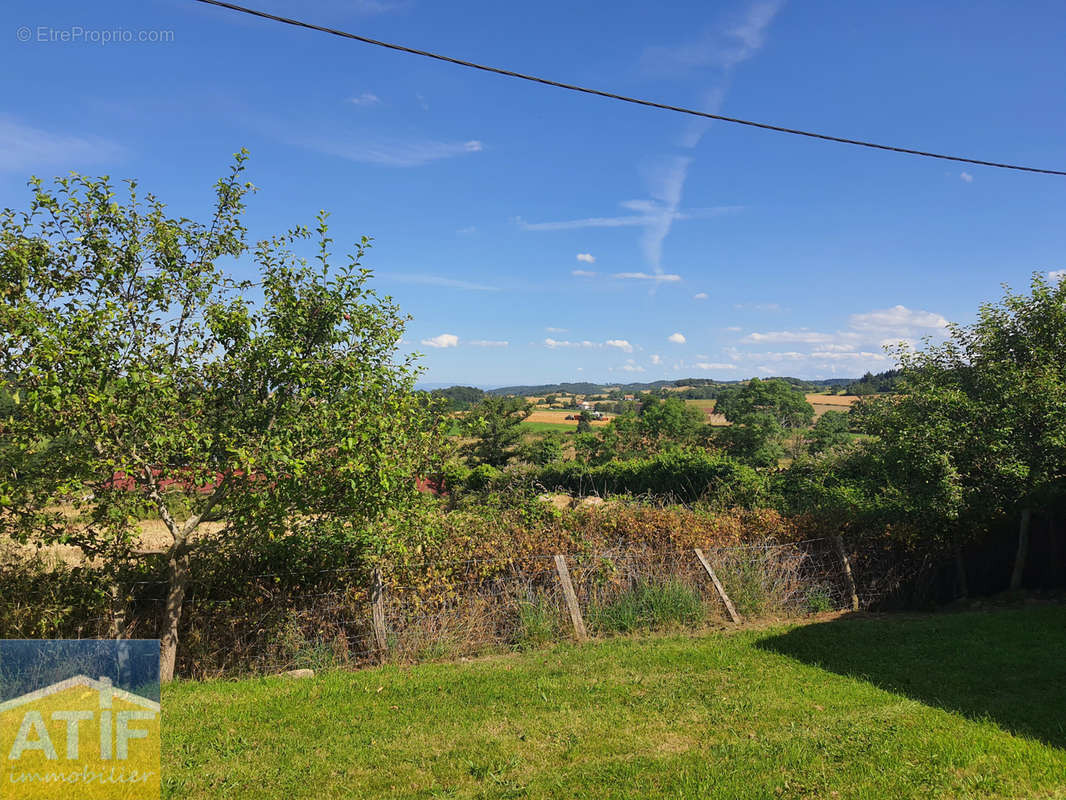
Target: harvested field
[
  {"x": 707, "y": 407},
  {"x": 831, "y": 402},
  {"x": 559, "y": 418}
]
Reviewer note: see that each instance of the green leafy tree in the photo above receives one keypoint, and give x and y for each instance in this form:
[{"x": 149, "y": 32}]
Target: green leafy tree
[
  {"x": 584, "y": 422},
  {"x": 671, "y": 420},
  {"x": 764, "y": 415},
  {"x": 458, "y": 398},
  {"x": 495, "y": 425},
  {"x": 831, "y": 430},
  {"x": 991, "y": 399},
  {"x": 138, "y": 364},
  {"x": 544, "y": 449}
]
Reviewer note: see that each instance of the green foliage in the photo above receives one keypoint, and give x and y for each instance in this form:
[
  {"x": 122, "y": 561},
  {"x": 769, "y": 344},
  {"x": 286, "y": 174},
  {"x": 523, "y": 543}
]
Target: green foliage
[
  {"x": 818, "y": 600},
  {"x": 482, "y": 477},
  {"x": 977, "y": 429},
  {"x": 538, "y": 623},
  {"x": 831, "y": 430},
  {"x": 744, "y": 580},
  {"x": 685, "y": 475},
  {"x": 544, "y": 449},
  {"x": 458, "y": 398},
  {"x": 881, "y": 383},
  {"x": 133, "y": 353},
  {"x": 670, "y": 420},
  {"x": 138, "y": 363},
  {"x": 763, "y": 414},
  {"x": 647, "y": 605},
  {"x": 494, "y": 423}
]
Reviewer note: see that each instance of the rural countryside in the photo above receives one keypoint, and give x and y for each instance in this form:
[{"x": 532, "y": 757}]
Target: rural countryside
[{"x": 412, "y": 400}]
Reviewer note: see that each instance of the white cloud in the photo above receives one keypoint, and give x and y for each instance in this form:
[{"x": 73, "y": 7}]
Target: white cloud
[
  {"x": 469, "y": 229},
  {"x": 734, "y": 328},
  {"x": 627, "y": 221},
  {"x": 365, "y": 99},
  {"x": 724, "y": 46},
  {"x": 656, "y": 358},
  {"x": 620, "y": 344},
  {"x": 440, "y": 280},
  {"x": 553, "y": 344},
  {"x": 713, "y": 365},
  {"x": 583, "y": 273},
  {"x": 808, "y": 337},
  {"x": 632, "y": 368},
  {"x": 23, "y": 147},
  {"x": 700, "y": 296},
  {"x": 550, "y": 329},
  {"x": 676, "y": 338},
  {"x": 837, "y": 355},
  {"x": 899, "y": 321},
  {"x": 443, "y": 340},
  {"x": 966, "y": 176},
  {"x": 588, "y": 258},
  {"x": 1057, "y": 274},
  {"x": 487, "y": 343},
  {"x": 644, "y": 276},
  {"x": 385, "y": 152}
]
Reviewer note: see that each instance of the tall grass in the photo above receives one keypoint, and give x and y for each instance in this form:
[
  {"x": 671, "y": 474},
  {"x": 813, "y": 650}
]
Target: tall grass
[
  {"x": 648, "y": 604},
  {"x": 538, "y": 623}
]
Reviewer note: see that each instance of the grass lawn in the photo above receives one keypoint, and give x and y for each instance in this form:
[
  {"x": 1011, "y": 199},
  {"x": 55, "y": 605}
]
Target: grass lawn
[{"x": 953, "y": 705}]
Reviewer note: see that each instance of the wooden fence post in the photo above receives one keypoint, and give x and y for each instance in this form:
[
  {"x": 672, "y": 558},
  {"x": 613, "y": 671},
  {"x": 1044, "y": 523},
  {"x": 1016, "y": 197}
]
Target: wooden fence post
[
  {"x": 839, "y": 541},
  {"x": 718, "y": 586},
  {"x": 377, "y": 601},
  {"x": 571, "y": 598}
]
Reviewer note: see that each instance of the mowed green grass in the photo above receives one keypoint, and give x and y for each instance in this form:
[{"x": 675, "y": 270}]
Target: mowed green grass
[{"x": 953, "y": 706}]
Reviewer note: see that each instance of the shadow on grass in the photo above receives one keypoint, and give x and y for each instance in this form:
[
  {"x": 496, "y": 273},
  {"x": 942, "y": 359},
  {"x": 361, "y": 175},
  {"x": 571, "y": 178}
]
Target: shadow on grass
[{"x": 1006, "y": 665}]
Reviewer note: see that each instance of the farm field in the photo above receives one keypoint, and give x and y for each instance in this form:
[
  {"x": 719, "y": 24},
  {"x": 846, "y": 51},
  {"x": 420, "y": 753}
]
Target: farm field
[
  {"x": 557, "y": 418},
  {"x": 707, "y": 406},
  {"x": 831, "y": 402},
  {"x": 951, "y": 706}
]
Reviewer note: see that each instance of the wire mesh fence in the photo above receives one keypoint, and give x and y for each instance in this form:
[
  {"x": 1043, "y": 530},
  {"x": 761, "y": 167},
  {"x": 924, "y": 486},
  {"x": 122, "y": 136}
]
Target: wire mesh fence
[{"x": 447, "y": 609}]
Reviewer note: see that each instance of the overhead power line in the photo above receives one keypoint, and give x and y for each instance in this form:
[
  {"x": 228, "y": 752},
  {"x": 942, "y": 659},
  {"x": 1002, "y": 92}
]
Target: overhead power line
[{"x": 613, "y": 96}]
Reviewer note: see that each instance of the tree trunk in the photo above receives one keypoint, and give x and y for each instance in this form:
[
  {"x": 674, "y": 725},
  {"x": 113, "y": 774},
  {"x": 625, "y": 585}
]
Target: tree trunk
[
  {"x": 1023, "y": 550},
  {"x": 177, "y": 583}
]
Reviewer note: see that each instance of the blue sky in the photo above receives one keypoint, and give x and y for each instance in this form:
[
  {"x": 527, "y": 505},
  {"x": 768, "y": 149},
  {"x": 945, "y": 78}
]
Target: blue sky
[{"x": 538, "y": 236}]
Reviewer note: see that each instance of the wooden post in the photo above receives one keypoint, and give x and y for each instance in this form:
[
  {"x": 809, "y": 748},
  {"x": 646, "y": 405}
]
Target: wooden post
[
  {"x": 839, "y": 541},
  {"x": 718, "y": 586},
  {"x": 571, "y": 598},
  {"x": 377, "y": 601}
]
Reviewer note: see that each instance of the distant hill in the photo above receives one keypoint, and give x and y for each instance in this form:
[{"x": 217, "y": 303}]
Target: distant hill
[{"x": 634, "y": 388}]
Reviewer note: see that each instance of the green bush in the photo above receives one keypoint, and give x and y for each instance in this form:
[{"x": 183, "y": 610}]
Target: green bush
[
  {"x": 818, "y": 600},
  {"x": 684, "y": 475},
  {"x": 649, "y": 604}
]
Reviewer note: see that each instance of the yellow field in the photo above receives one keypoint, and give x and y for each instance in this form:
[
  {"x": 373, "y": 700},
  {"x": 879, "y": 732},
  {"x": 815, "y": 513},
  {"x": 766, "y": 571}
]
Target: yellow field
[
  {"x": 831, "y": 402},
  {"x": 559, "y": 417}
]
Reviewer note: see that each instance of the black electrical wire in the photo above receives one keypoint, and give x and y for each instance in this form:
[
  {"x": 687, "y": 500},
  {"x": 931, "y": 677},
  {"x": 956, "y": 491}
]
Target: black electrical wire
[{"x": 612, "y": 96}]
